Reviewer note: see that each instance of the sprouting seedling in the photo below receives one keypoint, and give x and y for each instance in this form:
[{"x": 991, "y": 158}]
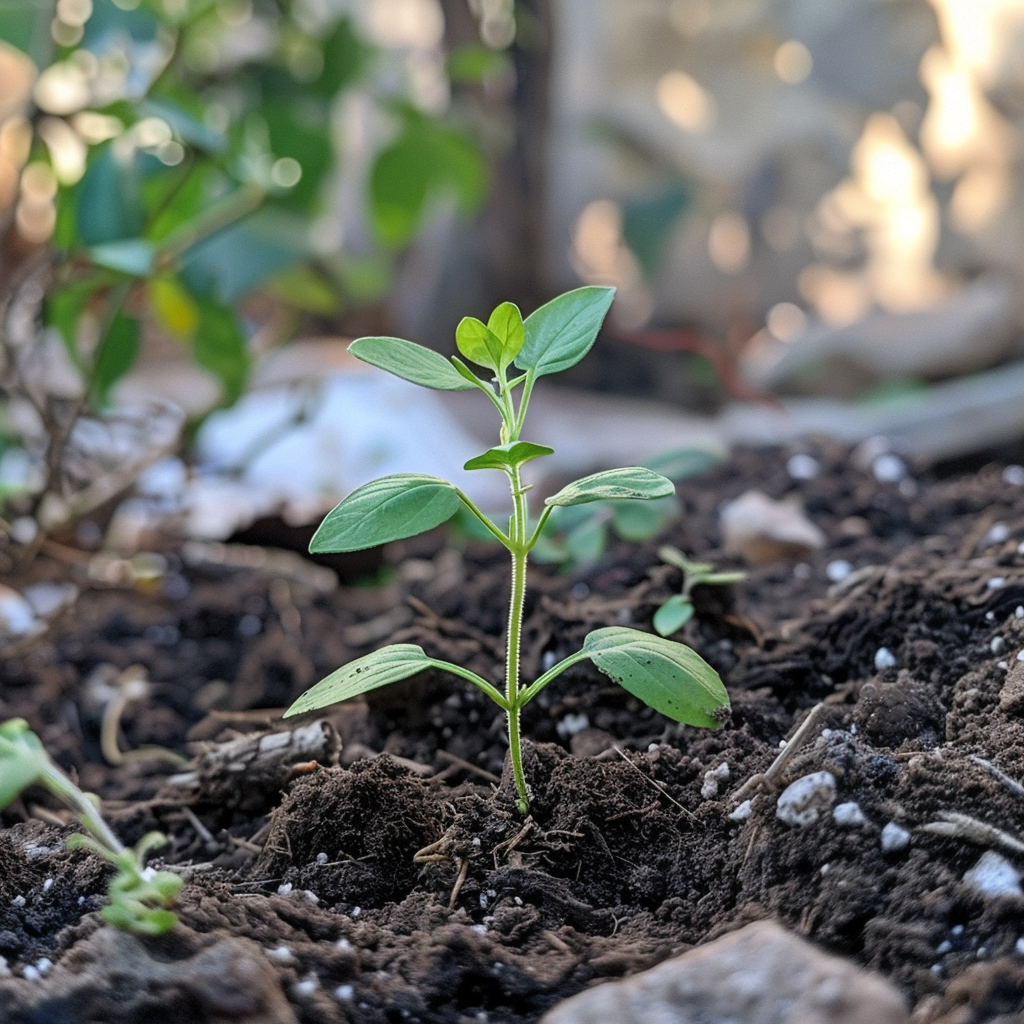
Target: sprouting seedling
[
  {"x": 677, "y": 611},
  {"x": 139, "y": 895},
  {"x": 669, "y": 677}
]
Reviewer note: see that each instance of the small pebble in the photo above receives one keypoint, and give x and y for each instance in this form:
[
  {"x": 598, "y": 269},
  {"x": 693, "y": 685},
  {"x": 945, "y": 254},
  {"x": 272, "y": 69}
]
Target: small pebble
[
  {"x": 548, "y": 660},
  {"x": 997, "y": 645},
  {"x": 1020, "y": 655},
  {"x": 44, "y": 965},
  {"x": 1014, "y": 475},
  {"x": 838, "y": 570},
  {"x": 5, "y": 971},
  {"x": 803, "y": 467},
  {"x": 848, "y": 815},
  {"x": 30, "y": 973},
  {"x": 1019, "y": 946},
  {"x": 18, "y": 901},
  {"x": 884, "y": 658},
  {"x": 996, "y": 535},
  {"x": 356, "y": 912},
  {"x": 894, "y": 838},
  {"x": 945, "y": 946},
  {"x": 48, "y": 885},
  {"x": 284, "y": 889},
  {"x": 321, "y": 858},
  {"x": 311, "y": 896},
  {"x": 889, "y": 468},
  {"x": 281, "y": 953},
  {"x": 580, "y": 591},
  {"x": 742, "y": 812},
  {"x": 479, "y": 929},
  {"x": 1018, "y": 612},
  {"x": 342, "y": 945},
  {"x": 802, "y": 802},
  {"x": 994, "y": 875},
  {"x": 996, "y": 583},
  {"x": 307, "y": 986},
  {"x": 990, "y": 616},
  {"x": 572, "y": 724},
  {"x": 344, "y": 993}
]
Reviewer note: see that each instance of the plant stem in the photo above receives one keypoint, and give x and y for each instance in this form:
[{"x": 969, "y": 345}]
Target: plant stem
[
  {"x": 519, "y": 551},
  {"x": 60, "y": 786}
]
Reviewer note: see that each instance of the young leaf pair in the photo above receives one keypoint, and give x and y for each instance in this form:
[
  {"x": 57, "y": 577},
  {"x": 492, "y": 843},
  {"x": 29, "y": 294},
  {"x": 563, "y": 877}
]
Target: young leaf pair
[{"x": 667, "y": 676}]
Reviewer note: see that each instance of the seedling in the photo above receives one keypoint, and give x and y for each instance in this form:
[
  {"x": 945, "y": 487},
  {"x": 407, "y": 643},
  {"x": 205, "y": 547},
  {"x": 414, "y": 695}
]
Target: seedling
[
  {"x": 667, "y": 676},
  {"x": 677, "y": 611},
  {"x": 139, "y": 895}
]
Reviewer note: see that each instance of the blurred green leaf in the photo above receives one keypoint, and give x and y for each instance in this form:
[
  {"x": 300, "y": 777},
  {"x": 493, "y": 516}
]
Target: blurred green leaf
[
  {"x": 25, "y": 25},
  {"x": 473, "y": 62},
  {"x": 108, "y": 202},
  {"x": 302, "y": 132},
  {"x": 115, "y": 356},
  {"x": 186, "y": 126},
  {"x": 647, "y": 222},
  {"x": 132, "y": 256},
  {"x": 306, "y": 289},
  {"x": 638, "y": 521},
  {"x": 346, "y": 59},
  {"x": 219, "y": 346},
  {"x": 683, "y": 463}
]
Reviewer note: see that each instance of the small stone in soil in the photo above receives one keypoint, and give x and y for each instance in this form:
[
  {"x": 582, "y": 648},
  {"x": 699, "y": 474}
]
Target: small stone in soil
[
  {"x": 572, "y": 724},
  {"x": 802, "y": 802},
  {"x": 1019, "y": 946},
  {"x": 838, "y": 570},
  {"x": 1014, "y": 475},
  {"x": 281, "y": 953},
  {"x": 803, "y": 467},
  {"x": 742, "y": 812},
  {"x": 996, "y": 583},
  {"x": 997, "y": 645},
  {"x": 894, "y": 838},
  {"x": 284, "y": 889},
  {"x": 996, "y": 535},
  {"x": 1018, "y": 612},
  {"x": 321, "y": 858},
  {"x": 884, "y": 658},
  {"x": 889, "y": 469},
  {"x": 994, "y": 875},
  {"x": 848, "y": 815},
  {"x": 307, "y": 986},
  {"x": 344, "y": 993}
]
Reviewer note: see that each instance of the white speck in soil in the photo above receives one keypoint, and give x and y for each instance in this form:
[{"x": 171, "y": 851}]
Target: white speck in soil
[
  {"x": 803, "y": 801},
  {"x": 982, "y": 952},
  {"x": 803, "y": 467},
  {"x": 5, "y": 971},
  {"x": 624, "y": 616},
  {"x": 479, "y": 929},
  {"x": 936, "y": 968},
  {"x": 18, "y": 901},
  {"x": 889, "y": 468},
  {"x": 307, "y": 986},
  {"x": 1020, "y": 655},
  {"x": 48, "y": 885},
  {"x": 476, "y": 842},
  {"x": 997, "y": 533},
  {"x": 548, "y": 660},
  {"x": 249, "y": 625},
  {"x": 1018, "y": 612},
  {"x": 997, "y": 645},
  {"x": 894, "y": 838},
  {"x": 282, "y": 954},
  {"x": 884, "y": 658},
  {"x": 996, "y": 583},
  {"x": 1018, "y": 946},
  {"x": 838, "y": 570},
  {"x": 311, "y": 896},
  {"x": 1014, "y": 475},
  {"x": 356, "y": 912},
  {"x": 945, "y": 946},
  {"x": 284, "y": 889},
  {"x": 344, "y": 993},
  {"x": 990, "y": 616},
  {"x": 994, "y": 875},
  {"x": 29, "y": 973},
  {"x": 742, "y": 812},
  {"x": 848, "y": 815},
  {"x": 957, "y": 930},
  {"x": 44, "y": 965},
  {"x": 1004, "y": 665},
  {"x": 321, "y": 858},
  {"x": 517, "y": 901},
  {"x": 81, "y": 901},
  {"x": 572, "y": 724},
  {"x": 343, "y": 945}
]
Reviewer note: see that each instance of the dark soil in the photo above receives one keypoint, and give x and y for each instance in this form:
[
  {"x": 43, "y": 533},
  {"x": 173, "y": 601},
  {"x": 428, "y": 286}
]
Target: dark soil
[{"x": 394, "y": 881}]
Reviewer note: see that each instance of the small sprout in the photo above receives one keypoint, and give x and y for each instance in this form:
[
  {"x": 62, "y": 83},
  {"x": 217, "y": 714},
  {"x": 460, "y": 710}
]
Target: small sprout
[
  {"x": 666, "y": 676},
  {"x": 677, "y": 611},
  {"x": 139, "y": 895}
]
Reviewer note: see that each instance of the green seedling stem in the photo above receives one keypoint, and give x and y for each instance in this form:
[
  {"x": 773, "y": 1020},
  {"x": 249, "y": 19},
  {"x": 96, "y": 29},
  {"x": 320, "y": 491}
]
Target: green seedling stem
[{"x": 667, "y": 676}]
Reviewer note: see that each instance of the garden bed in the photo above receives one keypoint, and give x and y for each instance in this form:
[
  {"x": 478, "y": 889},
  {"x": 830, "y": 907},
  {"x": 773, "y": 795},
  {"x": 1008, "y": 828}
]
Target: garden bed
[{"x": 376, "y": 864}]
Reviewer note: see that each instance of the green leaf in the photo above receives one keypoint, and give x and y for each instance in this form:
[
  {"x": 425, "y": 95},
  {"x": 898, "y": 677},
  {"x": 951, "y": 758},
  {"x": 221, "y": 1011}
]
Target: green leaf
[
  {"x": 133, "y": 256},
  {"x": 346, "y": 58},
  {"x": 22, "y": 759},
  {"x": 669, "y": 677},
  {"x": 109, "y": 199},
  {"x": 400, "y": 182},
  {"x": 504, "y": 456},
  {"x": 562, "y": 332},
  {"x": 683, "y": 463},
  {"x": 506, "y": 324},
  {"x": 219, "y": 346},
  {"x": 411, "y": 362},
  {"x": 478, "y": 343},
  {"x": 585, "y": 543},
  {"x": 390, "y": 664},
  {"x": 471, "y": 63},
  {"x": 466, "y": 373},
  {"x": 387, "y": 509},
  {"x": 115, "y": 356},
  {"x": 641, "y": 521},
  {"x": 629, "y": 482},
  {"x": 675, "y": 613}
]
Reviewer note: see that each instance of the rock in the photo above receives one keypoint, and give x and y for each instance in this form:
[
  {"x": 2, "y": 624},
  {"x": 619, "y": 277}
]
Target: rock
[
  {"x": 802, "y": 802},
  {"x": 1011, "y": 696},
  {"x": 113, "y": 977},
  {"x": 761, "y": 974},
  {"x": 894, "y": 838},
  {"x": 763, "y": 530},
  {"x": 994, "y": 875}
]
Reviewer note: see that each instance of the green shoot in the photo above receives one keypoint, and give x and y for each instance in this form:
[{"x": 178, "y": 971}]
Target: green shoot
[
  {"x": 677, "y": 611},
  {"x": 139, "y": 895},
  {"x": 667, "y": 676}
]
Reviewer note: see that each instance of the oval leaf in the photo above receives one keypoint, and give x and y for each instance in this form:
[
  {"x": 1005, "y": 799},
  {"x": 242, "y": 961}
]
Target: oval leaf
[
  {"x": 506, "y": 323},
  {"x": 384, "y": 510},
  {"x": 629, "y": 482},
  {"x": 22, "y": 759},
  {"x": 411, "y": 362},
  {"x": 508, "y": 455},
  {"x": 675, "y": 613},
  {"x": 478, "y": 343},
  {"x": 666, "y": 676},
  {"x": 388, "y": 665},
  {"x": 562, "y": 331}
]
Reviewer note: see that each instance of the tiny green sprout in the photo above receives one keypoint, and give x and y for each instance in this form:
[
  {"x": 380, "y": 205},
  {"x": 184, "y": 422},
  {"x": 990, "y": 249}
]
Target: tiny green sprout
[
  {"x": 139, "y": 895},
  {"x": 677, "y": 611},
  {"x": 667, "y": 676}
]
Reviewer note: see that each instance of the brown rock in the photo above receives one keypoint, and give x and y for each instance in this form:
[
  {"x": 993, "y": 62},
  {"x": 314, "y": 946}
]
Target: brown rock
[{"x": 761, "y": 974}]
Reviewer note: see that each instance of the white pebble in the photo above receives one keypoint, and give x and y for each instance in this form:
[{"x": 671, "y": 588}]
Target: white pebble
[
  {"x": 307, "y": 986},
  {"x": 894, "y": 838},
  {"x": 18, "y": 901},
  {"x": 342, "y": 945},
  {"x": 994, "y": 875},
  {"x": 29, "y": 973},
  {"x": 48, "y": 885},
  {"x": 742, "y": 812},
  {"x": 284, "y": 889},
  {"x": 356, "y": 912},
  {"x": 997, "y": 533},
  {"x": 996, "y": 583},
  {"x": 889, "y": 468},
  {"x": 838, "y": 570},
  {"x": 848, "y": 815},
  {"x": 572, "y": 724},
  {"x": 802, "y": 802},
  {"x": 5, "y": 971},
  {"x": 997, "y": 645},
  {"x": 1004, "y": 665},
  {"x": 884, "y": 658},
  {"x": 479, "y": 929},
  {"x": 990, "y": 616},
  {"x": 1020, "y": 655},
  {"x": 1014, "y": 475},
  {"x": 344, "y": 993},
  {"x": 1018, "y": 612},
  {"x": 321, "y": 858},
  {"x": 311, "y": 896},
  {"x": 803, "y": 467},
  {"x": 548, "y": 660},
  {"x": 44, "y": 965},
  {"x": 281, "y": 953},
  {"x": 945, "y": 946},
  {"x": 1019, "y": 946}
]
